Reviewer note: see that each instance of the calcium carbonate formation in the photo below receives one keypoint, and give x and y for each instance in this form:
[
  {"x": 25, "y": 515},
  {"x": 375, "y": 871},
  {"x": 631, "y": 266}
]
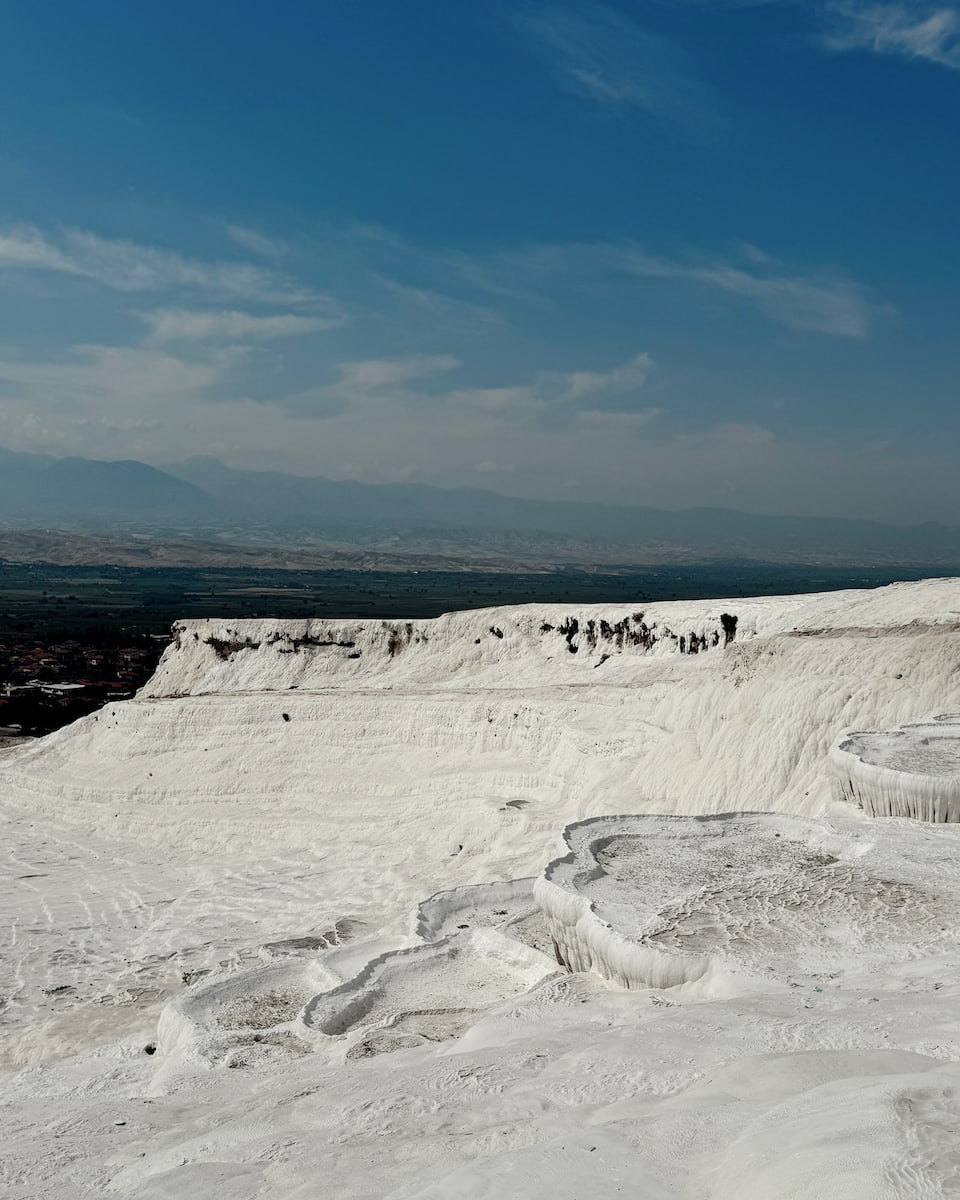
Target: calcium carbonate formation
[
  {"x": 723, "y": 901},
  {"x": 913, "y": 771},
  {"x": 212, "y": 984}
]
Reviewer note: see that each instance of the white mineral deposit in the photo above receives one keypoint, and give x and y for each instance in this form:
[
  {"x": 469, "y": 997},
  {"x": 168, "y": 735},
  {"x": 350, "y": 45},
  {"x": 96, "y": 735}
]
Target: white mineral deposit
[
  {"x": 913, "y": 771},
  {"x": 535, "y": 902}
]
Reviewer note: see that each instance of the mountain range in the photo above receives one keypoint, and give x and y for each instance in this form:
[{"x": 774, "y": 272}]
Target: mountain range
[{"x": 204, "y": 497}]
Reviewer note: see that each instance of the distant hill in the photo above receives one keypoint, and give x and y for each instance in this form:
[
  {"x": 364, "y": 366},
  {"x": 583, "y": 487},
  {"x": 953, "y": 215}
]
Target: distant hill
[
  {"x": 416, "y": 512},
  {"x": 86, "y": 492},
  {"x": 204, "y": 496}
]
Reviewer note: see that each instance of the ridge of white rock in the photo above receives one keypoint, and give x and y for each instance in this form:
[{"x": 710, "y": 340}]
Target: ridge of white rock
[
  {"x": 520, "y": 645},
  {"x": 913, "y": 771},
  {"x": 271, "y": 741}
]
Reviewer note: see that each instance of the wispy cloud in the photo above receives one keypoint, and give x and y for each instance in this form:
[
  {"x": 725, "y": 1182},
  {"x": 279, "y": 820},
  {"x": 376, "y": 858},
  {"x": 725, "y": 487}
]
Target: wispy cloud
[
  {"x": 126, "y": 266},
  {"x": 25, "y": 246},
  {"x": 257, "y": 243},
  {"x": 599, "y": 54},
  {"x": 95, "y": 377},
  {"x": 113, "y": 401},
  {"x": 185, "y": 325},
  {"x": 380, "y": 380},
  {"x": 627, "y": 377},
  {"x": 909, "y": 31},
  {"x": 388, "y": 388},
  {"x": 567, "y": 395},
  {"x": 819, "y": 300},
  {"x": 375, "y": 373},
  {"x": 443, "y": 309}
]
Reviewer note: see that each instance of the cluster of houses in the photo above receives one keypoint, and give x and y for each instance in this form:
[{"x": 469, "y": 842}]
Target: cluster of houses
[{"x": 44, "y": 686}]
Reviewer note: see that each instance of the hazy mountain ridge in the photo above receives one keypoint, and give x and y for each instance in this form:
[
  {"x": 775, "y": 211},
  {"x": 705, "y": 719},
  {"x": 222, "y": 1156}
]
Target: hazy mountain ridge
[
  {"x": 238, "y": 511},
  {"x": 89, "y": 491}
]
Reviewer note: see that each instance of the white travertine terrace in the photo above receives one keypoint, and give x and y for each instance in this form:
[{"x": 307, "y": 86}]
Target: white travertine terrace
[
  {"x": 474, "y": 947},
  {"x": 913, "y": 771},
  {"x": 242, "y": 844},
  {"x": 656, "y": 902},
  {"x": 468, "y": 971},
  {"x": 508, "y": 906}
]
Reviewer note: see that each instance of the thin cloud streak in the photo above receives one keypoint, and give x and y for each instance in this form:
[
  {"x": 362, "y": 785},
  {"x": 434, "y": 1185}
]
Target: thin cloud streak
[
  {"x": 565, "y": 396},
  {"x": 125, "y": 266},
  {"x": 184, "y": 325},
  {"x": 375, "y": 374},
  {"x": 895, "y": 29},
  {"x": 819, "y": 303},
  {"x": 447, "y": 311},
  {"x": 403, "y": 385},
  {"x": 822, "y": 301},
  {"x": 383, "y": 380},
  {"x": 257, "y": 243},
  {"x": 600, "y": 55}
]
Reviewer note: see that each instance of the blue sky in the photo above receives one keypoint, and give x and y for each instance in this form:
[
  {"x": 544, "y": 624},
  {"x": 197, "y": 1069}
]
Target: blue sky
[{"x": 667, "y": 253}]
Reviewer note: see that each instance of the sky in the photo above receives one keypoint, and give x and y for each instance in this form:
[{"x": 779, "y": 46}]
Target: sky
[{"x": 668, "y": 253}]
